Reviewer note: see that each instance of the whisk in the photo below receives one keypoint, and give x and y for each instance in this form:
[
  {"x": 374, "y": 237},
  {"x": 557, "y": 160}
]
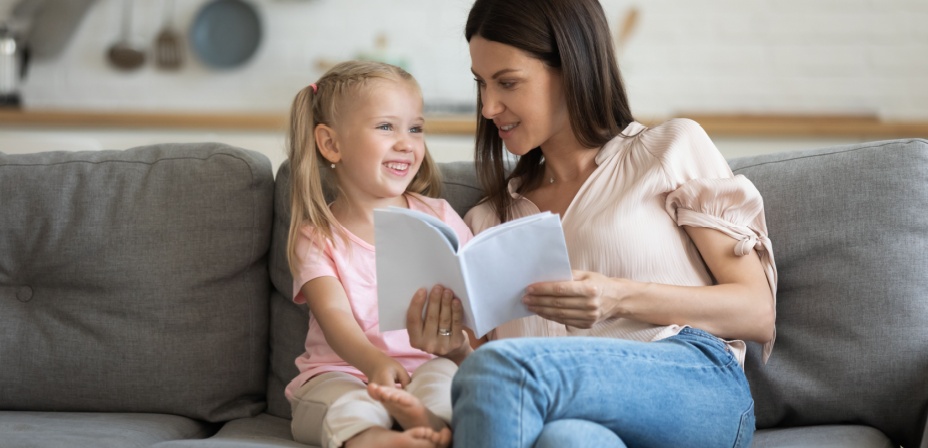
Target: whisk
[{"x": 168, "y": 52}]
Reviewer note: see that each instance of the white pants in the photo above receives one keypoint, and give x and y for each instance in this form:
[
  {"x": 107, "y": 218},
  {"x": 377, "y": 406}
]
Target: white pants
[{"x": 334, "y": 407}]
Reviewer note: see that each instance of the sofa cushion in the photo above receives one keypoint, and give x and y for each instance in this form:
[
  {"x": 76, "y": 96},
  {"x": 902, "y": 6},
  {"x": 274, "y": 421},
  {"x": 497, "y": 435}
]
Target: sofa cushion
[
  {"x": 135, "y": 281},
  {"x": 261, "y": 431},
  {"x": 22, "y": 429},
  {"x": 824, "y": 436},
  {"x": 288, "y": 321},
  {"x": 851, "y": 243}
]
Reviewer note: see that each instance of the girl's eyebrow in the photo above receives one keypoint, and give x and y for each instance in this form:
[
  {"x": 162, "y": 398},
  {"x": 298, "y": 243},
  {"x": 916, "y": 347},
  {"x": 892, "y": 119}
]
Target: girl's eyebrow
[
  {"x": 395, "y": 118},
  {"x": 498, "y": 73}
]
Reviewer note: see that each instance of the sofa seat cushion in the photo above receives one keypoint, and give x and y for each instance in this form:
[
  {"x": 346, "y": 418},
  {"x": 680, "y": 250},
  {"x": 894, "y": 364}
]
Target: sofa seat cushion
[
  {"x": 135, "y": 281},
  {"x": 261, "y": 431},
  {"x": 825, "y": 436},
  {"x": 850, "y": 237},
  {"x": 22, "y": 429}
]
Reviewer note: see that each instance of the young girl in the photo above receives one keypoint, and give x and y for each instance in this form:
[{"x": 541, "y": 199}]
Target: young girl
[{"x": 357, "y": 133}]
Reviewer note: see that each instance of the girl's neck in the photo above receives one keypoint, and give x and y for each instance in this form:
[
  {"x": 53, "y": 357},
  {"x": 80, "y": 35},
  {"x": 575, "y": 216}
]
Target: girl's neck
[{"x": 358, "y": 215}]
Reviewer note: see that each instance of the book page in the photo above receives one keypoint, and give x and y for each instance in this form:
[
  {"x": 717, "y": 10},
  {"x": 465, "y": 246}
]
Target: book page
[
  {"x": 411, "y": 254},
  {"x": 501, "y": 264}
]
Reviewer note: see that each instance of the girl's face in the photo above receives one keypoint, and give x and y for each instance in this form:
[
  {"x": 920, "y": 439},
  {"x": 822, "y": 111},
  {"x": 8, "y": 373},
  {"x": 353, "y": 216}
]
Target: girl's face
[
  {"x": 379, "y": 140},
  {"x": 523, "y": 96}
]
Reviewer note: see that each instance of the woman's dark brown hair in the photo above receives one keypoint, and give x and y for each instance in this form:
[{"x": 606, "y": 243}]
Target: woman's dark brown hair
[{"x": 573, "y": 37}]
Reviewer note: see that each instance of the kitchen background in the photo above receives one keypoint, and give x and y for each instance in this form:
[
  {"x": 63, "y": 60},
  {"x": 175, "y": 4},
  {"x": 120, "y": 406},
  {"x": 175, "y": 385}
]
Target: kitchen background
[{"x": 761, "y": 75}]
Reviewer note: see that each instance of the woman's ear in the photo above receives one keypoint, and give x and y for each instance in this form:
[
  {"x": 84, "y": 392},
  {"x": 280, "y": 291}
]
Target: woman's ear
[{"x": 327, "y": 143}]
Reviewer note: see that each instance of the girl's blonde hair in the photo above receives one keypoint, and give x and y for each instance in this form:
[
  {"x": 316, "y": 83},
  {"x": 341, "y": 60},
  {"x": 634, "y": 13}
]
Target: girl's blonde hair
[{"x": 310, "y": 180}]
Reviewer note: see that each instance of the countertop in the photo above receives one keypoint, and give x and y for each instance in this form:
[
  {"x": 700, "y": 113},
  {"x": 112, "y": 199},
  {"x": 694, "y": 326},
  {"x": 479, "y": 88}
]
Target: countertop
[{"x": 862, "y": 127}]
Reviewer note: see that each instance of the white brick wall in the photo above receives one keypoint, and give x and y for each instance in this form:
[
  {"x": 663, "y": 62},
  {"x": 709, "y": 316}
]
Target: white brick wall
[{"x": 726, "y": 56}]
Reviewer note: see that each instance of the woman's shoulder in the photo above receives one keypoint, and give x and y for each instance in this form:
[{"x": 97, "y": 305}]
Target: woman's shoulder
[
  {"x": 672, "y": 133},
  {"x": 481, "y": 217}
]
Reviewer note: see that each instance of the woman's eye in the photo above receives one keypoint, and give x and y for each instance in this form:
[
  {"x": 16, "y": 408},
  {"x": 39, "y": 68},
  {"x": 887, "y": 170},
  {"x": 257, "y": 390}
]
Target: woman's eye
[
  {"x": 479, "y": 82},
  {"x": 507, "y": 84}
]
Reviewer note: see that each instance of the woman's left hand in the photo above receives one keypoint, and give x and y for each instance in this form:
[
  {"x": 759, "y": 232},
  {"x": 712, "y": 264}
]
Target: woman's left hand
[{"x": 589, "y": 298}]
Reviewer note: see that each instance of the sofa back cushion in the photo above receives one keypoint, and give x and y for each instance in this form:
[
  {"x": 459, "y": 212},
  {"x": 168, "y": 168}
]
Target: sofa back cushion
[
  {"x": 289, "y": 321},
  {"x": 850, "y": 239},
  {"x": 135, "y": 281}
]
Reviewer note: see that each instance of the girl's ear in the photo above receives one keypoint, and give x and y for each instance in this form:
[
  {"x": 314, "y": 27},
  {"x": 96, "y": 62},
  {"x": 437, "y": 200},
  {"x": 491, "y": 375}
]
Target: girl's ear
[{"x": 327, "y": 143}]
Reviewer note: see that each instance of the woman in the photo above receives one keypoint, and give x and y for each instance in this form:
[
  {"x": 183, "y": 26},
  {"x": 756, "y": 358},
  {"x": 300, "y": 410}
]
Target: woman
[{"x": 673, "y": 269}]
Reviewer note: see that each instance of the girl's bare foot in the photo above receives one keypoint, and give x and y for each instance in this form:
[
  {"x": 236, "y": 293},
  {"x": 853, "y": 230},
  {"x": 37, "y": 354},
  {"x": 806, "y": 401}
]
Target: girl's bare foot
[
  {"x": 408, "y": 411},
  {"x": 421, "y": 437}
]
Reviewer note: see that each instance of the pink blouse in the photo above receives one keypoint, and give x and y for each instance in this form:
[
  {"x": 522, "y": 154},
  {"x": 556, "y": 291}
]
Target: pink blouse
[{"x": 625, "y": 222}]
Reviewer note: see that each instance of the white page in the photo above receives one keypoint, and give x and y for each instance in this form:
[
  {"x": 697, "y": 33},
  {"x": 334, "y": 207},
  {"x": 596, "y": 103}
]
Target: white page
[
  {"x": 412, "y": 255},
  {"x": 433, "y": 221},
  {"x": 499, "y": 268}
]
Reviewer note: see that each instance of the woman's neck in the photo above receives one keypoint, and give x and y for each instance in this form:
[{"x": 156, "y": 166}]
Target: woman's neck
[{"x": 568, "y": 163}]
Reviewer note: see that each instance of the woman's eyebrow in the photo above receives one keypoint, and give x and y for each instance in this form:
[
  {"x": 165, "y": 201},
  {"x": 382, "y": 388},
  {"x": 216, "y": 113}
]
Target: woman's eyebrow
[{"x": 498, "y": 73}]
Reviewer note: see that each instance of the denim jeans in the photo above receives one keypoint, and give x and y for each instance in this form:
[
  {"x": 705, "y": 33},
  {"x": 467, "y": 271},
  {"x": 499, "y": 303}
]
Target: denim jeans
[{"x": 686, "y": 390}]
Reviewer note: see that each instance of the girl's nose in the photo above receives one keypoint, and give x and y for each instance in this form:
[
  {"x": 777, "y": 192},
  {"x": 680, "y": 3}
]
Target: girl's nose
[{"x": 403, "y": 144}]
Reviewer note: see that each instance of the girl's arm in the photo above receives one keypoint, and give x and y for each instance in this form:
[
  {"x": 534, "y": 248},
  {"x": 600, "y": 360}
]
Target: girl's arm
[
  {"x": 739, "y": 306},
  {"x": 329, "y": 304}
]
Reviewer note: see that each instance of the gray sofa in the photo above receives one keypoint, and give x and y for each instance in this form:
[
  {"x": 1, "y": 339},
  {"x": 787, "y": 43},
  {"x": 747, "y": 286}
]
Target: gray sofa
[{"x": 144, "y": 297}]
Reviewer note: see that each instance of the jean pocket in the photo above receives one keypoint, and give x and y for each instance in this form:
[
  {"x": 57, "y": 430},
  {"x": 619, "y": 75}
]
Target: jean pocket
[{"x": 745, "y": 429}]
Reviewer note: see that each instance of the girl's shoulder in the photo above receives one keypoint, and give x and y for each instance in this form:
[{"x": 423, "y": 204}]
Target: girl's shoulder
[{"x": 441, "y": 209}]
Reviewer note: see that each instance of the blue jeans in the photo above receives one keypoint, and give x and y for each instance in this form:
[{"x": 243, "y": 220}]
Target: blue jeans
[{"x": 686, "y": 390}]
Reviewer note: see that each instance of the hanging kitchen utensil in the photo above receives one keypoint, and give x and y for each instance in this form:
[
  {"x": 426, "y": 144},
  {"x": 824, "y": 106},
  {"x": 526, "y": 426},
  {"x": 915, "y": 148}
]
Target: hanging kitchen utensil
[
  {"x": 51, "y": 24},
  {"x": 168, "y": 51},
  {"x": 626, "y": 28},
  {"x": 122, "y": 54},
  {"x": 226, "y": 33}
]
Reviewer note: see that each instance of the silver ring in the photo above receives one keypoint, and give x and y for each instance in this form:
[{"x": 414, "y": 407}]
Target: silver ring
[{"x": 444, "y": 332}]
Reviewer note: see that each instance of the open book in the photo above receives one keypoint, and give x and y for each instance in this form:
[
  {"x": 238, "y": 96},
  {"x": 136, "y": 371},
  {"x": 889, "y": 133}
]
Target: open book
[{"x": 489, "y": 274}]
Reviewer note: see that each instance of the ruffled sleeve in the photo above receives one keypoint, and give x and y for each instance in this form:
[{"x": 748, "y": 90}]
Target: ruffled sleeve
[{"x": 734, "y": 207}]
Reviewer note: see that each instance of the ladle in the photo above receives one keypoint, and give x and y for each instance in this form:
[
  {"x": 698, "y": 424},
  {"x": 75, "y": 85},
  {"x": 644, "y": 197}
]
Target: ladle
[{"x": 122, "y": 54}]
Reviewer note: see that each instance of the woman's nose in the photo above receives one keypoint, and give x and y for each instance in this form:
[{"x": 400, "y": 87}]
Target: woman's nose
[{"x": 491, "y": 105}]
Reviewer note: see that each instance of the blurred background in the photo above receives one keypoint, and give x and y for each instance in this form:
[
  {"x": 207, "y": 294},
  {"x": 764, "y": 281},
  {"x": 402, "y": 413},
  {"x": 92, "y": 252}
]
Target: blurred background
[{"x": 761, "y": 76}]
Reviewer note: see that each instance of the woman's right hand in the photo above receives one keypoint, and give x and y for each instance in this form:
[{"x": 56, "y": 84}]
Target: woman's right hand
[{"x": 441, "y": 331}]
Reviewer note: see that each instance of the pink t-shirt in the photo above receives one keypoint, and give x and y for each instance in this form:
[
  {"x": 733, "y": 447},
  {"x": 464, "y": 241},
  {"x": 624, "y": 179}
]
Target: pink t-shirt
[{"x": 353, "y": 264}]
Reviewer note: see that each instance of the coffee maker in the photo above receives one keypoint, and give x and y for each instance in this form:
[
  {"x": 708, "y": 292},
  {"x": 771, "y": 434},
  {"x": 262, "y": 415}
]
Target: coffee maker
[{"x": 14, "y": 58}]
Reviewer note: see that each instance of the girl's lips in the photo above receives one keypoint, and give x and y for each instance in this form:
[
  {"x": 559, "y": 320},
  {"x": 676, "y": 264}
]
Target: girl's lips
[{"x": 398, "y": 168}]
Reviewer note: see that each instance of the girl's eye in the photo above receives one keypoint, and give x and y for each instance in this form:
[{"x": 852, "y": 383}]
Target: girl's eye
[
  {"x": 416, "y": 129},
  {"x": 385, "y": 127}
]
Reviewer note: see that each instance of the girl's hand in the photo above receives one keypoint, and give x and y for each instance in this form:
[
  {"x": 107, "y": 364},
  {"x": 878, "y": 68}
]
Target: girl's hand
[
  {"x": 387, "y": 372},
  {"x": 589, "y": 298},
  {"x": 441, "y": 332}
]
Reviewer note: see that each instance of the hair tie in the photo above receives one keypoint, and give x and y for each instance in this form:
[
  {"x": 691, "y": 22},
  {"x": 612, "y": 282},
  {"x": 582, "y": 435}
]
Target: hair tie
[{"x": 314, "y": 86}]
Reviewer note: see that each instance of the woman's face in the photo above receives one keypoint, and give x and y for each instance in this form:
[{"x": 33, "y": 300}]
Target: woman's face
[{"x": 523, "y": 96}]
